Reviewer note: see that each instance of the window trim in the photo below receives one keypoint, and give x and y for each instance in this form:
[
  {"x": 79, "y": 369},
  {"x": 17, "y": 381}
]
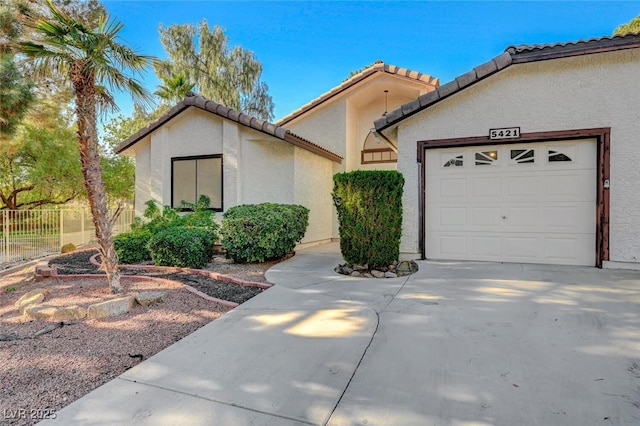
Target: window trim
[
  {"x": 375, "y": 151},
  {"x": 200, "y": 157}
]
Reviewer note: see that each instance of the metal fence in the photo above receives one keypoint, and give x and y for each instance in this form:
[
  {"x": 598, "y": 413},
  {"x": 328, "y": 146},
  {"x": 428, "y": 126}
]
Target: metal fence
[{"x": 29, "y": 234}]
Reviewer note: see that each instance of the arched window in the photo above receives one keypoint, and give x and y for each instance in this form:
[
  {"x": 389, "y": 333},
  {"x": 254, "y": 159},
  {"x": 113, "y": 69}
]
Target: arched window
[{"x": 377, "y": 150}]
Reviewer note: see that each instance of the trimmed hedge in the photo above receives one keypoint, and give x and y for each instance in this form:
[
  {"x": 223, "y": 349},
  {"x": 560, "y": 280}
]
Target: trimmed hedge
[
  {"x": 132, "y": 246},
  {"x": 259, "y": 232},
  {"x": 182, "y": 246},
  {"x": 369, "y": 205}
]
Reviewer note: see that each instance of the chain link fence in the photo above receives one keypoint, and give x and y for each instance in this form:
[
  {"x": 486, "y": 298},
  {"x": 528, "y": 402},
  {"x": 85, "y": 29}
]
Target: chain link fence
[{"x": 29, "y": 234}]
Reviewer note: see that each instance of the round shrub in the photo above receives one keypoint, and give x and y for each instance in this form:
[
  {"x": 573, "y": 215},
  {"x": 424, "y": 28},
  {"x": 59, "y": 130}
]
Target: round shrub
[
  {"x": 131, "y": 247},
  {"x": 182, "y": 246},
  {"x": 68, "y": 248},
  {"x": 259, "y": 232}
]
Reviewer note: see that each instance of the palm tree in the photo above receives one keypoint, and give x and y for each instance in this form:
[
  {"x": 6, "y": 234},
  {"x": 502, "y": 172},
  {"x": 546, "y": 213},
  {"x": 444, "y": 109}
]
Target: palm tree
[
  {"x": 175, "y": 88},
  {"x": 91, "y": 60}
]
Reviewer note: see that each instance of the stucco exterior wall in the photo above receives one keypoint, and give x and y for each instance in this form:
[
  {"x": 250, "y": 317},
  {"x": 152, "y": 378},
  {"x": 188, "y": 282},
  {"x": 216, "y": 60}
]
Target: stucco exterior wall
[
  {"x": 591, "y": 91},
  {"x": 266, "y": 171},
  {"x": 326, "y": 126},
  {"x": 313, "y": 178},
  {"x": 143, "y": 175}
]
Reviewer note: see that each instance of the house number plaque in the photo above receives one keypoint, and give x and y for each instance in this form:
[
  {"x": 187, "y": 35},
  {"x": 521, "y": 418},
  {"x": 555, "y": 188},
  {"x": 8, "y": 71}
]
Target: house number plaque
[{"x": 505, "y": 133}]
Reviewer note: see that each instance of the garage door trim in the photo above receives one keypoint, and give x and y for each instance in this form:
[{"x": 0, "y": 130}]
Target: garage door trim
[{"x": 602, "y": 136}]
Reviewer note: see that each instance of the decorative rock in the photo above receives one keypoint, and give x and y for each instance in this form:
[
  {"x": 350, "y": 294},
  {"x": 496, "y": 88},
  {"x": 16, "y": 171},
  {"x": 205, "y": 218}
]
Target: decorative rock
[
  {"x": 111, "y": 308},
  {"x": 34, "y": 296},
  {"x": 69, "y": 313},
  {"x": 356, "y": 274},
  {"x": 151, "y": 298},
  {"x": 39, "y": 311},
  {"x": 360, "y": 267},
  {"x": 392, "y": 267},
  {"x": 377, "y": 274},
  {"x": 404, "y": 266},
  {"x": 367, "y": 275},
  {"x": 390, "y": 274}
]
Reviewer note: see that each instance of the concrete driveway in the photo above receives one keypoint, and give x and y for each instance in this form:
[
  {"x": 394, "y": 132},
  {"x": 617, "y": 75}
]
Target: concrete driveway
[{"x": 457, "y": 343}]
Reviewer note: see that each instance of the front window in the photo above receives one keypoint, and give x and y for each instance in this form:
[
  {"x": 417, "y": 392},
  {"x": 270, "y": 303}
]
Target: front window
[{"x": 192, "y": 177}]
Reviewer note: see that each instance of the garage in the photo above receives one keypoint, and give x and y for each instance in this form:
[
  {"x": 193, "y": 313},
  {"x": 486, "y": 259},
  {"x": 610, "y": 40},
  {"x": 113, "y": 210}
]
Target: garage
[{"x": 516, "y": 202}]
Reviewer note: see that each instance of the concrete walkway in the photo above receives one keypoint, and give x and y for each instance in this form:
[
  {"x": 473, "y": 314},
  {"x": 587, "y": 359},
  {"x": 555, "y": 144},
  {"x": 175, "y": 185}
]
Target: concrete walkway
[{"x": 455, "y": 344}]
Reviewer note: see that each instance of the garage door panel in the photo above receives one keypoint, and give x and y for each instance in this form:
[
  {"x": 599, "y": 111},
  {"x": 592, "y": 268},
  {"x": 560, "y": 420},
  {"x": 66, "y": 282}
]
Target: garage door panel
[
  {"x": 486, "y": 218},
  {"x": 452, "y": 245},
  {"x": 483, "y": 187},
  {"x": 453, "y": 216},
  {"x": 569, "y": 218},
  {"x": 485, "y": 247},
  {"x": 522, "y": 219},
  {"x": 569, "y": 249},
  {"x": 533, "y": 203},
  {"x": 453, "y": 188},
  {"x": 522, "y": 187},
  {"x": 522, "y": 248}
]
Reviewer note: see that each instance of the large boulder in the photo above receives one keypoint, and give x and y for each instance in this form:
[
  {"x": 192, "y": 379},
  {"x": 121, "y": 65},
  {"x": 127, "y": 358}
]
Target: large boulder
[{"x": 111, "y": 308}]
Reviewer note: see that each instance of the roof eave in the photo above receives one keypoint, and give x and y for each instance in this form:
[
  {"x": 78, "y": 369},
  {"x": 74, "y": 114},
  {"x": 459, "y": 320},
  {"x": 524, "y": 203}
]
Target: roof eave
[
  {"x": 222, "y": 111},
  {"x": 512, "y": 55}
]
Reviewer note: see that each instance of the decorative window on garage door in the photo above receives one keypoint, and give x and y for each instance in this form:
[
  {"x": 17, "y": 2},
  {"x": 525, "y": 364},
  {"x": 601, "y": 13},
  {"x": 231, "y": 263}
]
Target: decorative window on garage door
[
  {"x": 454, "y": 161},
  {"x": 558, "y": 156},
  {"x": 486, "y": 158},
  {"x": 522, "y": 156}
]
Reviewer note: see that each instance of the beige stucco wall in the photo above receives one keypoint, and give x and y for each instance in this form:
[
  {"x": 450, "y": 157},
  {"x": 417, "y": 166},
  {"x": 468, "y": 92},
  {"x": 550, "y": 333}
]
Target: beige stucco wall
[
  {"x": 313, "y": 178},
  {"x": 582, "y": 92},
  {"x": 324, "y": 125}
]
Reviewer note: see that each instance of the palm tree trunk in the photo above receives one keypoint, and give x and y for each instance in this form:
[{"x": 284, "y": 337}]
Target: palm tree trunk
[{"x": 85, "y": 94}]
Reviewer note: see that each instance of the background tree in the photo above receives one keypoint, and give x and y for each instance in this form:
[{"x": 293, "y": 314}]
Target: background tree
[
  {"x": 15, "y": 95},
  {"x": 39, "y": 163},
  {"x": 230, "y": 76},
  {"x": 632, "y": 26},
  {"x": 87, "y": 57}
]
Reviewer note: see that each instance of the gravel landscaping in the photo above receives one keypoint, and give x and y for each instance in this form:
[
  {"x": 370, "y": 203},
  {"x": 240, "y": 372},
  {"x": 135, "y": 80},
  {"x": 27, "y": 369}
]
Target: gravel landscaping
[{"x": 46, "y": 365}]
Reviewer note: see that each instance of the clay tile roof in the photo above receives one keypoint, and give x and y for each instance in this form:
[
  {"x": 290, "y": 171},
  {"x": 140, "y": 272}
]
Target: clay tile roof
[
  {"x": 241, "y": 118},
  {"x": 377, "y": 67},
  {"x": 512, "y": 55}
]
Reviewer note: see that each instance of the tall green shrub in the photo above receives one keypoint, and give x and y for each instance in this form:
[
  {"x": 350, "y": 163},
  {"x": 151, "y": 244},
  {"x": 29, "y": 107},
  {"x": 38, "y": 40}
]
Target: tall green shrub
[
  {"x": 259, "y": 232},
  {"x": 369, "y": 205}
]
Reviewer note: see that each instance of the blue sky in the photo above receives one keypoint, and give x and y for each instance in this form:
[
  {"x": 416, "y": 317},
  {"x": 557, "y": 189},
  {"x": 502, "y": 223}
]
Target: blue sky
[{"x": 308, "y": 47}]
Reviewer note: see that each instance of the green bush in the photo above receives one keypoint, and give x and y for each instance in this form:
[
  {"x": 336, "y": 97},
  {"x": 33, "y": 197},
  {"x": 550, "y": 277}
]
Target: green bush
[
  {"x": 259, "y": 232},
  {"x": 369, "y": 205},
  {"x": 183, "y": 246},
  {"x": 161, "y": 226},
  {"x": 132, "y": 246}
]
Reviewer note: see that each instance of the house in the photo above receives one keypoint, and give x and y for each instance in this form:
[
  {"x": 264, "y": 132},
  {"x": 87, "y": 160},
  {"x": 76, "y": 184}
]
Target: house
[
  {"x": 201, "y": 147},
  {"x": 532, "y": 156}
]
